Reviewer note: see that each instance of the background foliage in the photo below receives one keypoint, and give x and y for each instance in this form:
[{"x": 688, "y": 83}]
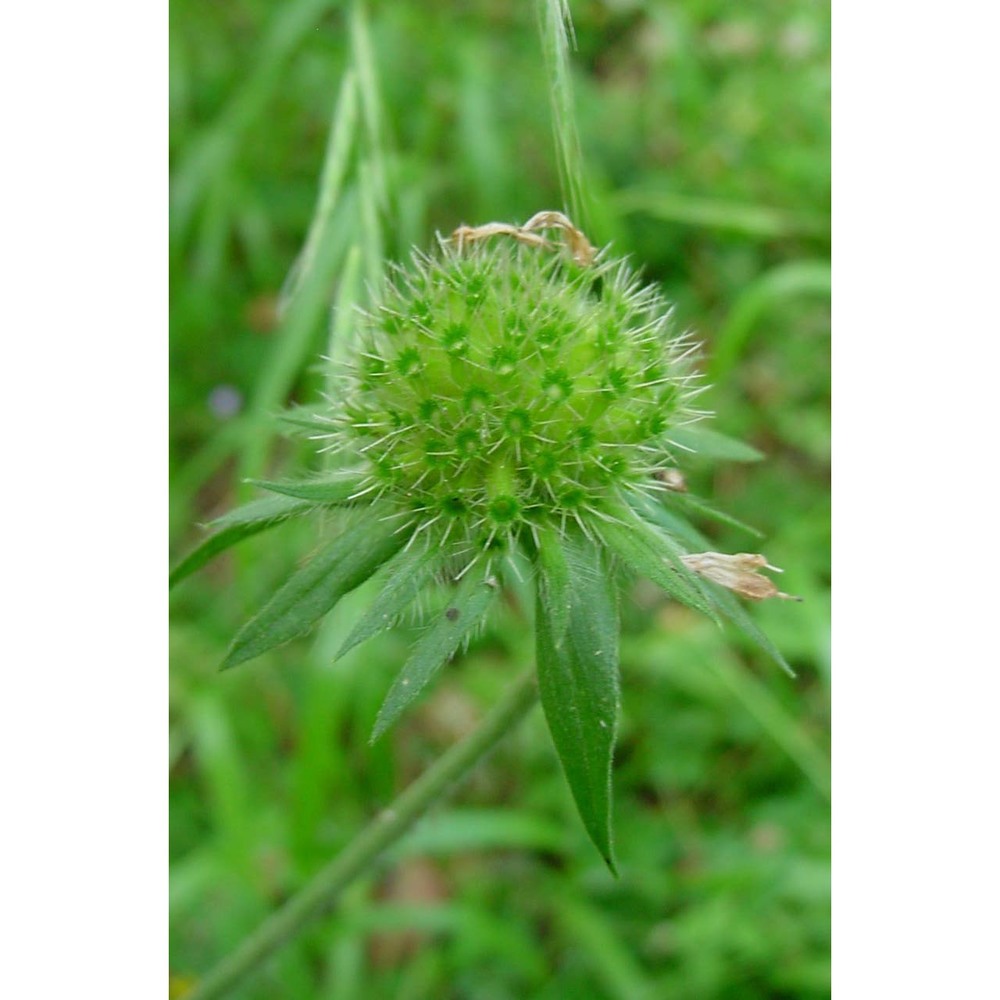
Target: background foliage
[{"x": 705, "y": 130}]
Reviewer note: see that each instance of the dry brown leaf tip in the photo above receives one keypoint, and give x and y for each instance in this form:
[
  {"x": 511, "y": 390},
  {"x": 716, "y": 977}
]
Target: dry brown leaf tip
[
  {"x": 580, "y": 248},
  {"x": 738, "y": 572}
]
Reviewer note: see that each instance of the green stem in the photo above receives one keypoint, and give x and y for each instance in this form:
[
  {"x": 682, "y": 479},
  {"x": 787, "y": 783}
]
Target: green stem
[{"x": 322, "y": 892}]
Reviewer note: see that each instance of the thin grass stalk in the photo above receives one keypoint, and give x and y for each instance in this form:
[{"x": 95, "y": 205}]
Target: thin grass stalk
[
  {"x": 336, "y": 162},
  {"x": 558, "y": 38},
  {"x": 326, "y": 887}
]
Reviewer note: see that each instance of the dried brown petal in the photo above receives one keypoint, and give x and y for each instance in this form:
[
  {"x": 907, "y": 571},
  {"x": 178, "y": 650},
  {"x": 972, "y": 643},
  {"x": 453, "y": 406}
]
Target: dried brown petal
[
  {"x": 579, "y": 246},
  {"x": 738, "y": 573}
]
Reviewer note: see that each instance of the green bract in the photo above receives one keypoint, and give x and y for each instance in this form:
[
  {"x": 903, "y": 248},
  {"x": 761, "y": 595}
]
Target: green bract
[{"x": 503, "y": 397}]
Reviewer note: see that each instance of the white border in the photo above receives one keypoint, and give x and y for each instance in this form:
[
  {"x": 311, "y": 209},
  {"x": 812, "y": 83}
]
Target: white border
[
  {"x": 915, "y": 596},
  {"x": 84, "y": 414}
]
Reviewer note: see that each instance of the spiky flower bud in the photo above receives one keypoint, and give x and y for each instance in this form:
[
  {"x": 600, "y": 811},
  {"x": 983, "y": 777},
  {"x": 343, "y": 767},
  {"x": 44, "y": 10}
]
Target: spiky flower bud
[
  {"x": 509, "y": 393},
  {"x": 499, "y": 388}
]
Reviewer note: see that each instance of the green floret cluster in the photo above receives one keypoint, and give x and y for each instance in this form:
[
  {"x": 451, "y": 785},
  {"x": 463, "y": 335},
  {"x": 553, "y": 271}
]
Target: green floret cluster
[{"x": 497, "y": 386}]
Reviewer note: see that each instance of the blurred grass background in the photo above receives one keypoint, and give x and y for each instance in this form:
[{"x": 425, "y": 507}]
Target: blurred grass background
[{"x": 705, "y": 130}]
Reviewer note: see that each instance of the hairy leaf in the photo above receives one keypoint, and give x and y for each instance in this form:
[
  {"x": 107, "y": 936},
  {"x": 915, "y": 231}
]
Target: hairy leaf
[
  {"x": 330, "y": 489},
  {"x": 305, "y": 418},
  {"x": 406, "y": 574},
  {"x": 712, "y": 444},
  {"x": 313, "y": 591},
  {"x": 554, "y": 593},
  {"x": 676, "y": 524},
  {"x": 654, "y": 554},
  {"x": 439, "y": 642},
  {"x": 688, "y": 502},
  {"x": 578, "y": 684},
  {"x": 743, "y": 622},
  {"x": 726, "y": 603},
  {"x": 244, "y": 522}
]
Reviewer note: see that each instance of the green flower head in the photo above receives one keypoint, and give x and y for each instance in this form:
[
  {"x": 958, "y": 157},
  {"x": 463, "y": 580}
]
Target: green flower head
[
  {"x": 500, "y": 391},
  {"x": 509, "y": 398}
]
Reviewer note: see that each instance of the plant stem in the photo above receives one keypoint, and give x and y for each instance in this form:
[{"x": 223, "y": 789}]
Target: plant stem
[{"x": 322, "y": 892}]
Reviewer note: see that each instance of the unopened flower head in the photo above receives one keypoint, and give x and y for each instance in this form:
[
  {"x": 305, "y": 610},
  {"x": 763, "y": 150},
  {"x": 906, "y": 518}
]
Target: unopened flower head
[{"x": 500, "y": 385}]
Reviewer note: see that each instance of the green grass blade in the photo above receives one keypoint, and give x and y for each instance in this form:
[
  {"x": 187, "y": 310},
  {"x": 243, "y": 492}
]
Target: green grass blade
[
  {"x": 211, "y": 155},
  {"x": 297, "y": 337},
  {"x": 244, "y": 522},
  {"x": 363, "y": 58},
  {"x": 314, "y": 590},
  {"x": 556, "y": 27},
  {"x": 224, "y": 772},
  {"x": 406, "y": 575},
  {"x": 371, "y": 230},
  {"x": 787, "y": 281},
  {"x": 335, "y": 166},
  {"x": 760, "y": 221},
  {"x": 615, "y": 962},
  {"x": 776, "y": 721},
  {"x": 447, "y": 632},
  {"x": 461, "y": 830},
  {"x": 343, "y": 326},
  {"x": 578, "y": 685},
  {"x": 199, "y": 468}
]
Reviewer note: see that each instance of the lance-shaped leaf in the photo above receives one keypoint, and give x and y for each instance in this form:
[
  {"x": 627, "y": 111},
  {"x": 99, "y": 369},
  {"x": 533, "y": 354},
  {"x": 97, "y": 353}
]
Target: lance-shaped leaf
[
  {"x": 330, "y": 489},
  {"x": 660, "y": 514},
  {"x": 712, "y": 444},
  {"x": 721, "y": 599},
  {"x": 305, "y": 418},
  {"x": 688, "y": 502},
  {"x": 578, "y": 684},
  {"x": 464, "y": 613},
  {"x": 554, "y": 587},
  {"x": 244, "y": 522},
  {"x": 743, "y": 622},
  {"x": 405, "y": 576},
  {"x": 654, "y": 554},
  {"x": 313, "y": 591}
]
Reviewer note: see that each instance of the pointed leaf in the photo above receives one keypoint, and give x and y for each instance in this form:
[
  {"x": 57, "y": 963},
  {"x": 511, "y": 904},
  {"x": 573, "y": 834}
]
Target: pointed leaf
[
  {"x": 406, "y": 575},
  {"x": 313, "y": 591},
  {"x": 712, "y": 444},
  {"x": 676, "y": 524},
  {"x": 244, "y": 522},
  {"x": 303, "y": 418},
  {"x": 554, "y": 592},
  {"x": 689, "y": 502},
  {"x": 654, "y": 554},
  {"x": 742, "y": 620},
  {"x": 720, "y": 598},
  {"x": 446, "y": 633},
  {"x": 331, "y": 489},
  {"x": 578, "y": 684}
]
